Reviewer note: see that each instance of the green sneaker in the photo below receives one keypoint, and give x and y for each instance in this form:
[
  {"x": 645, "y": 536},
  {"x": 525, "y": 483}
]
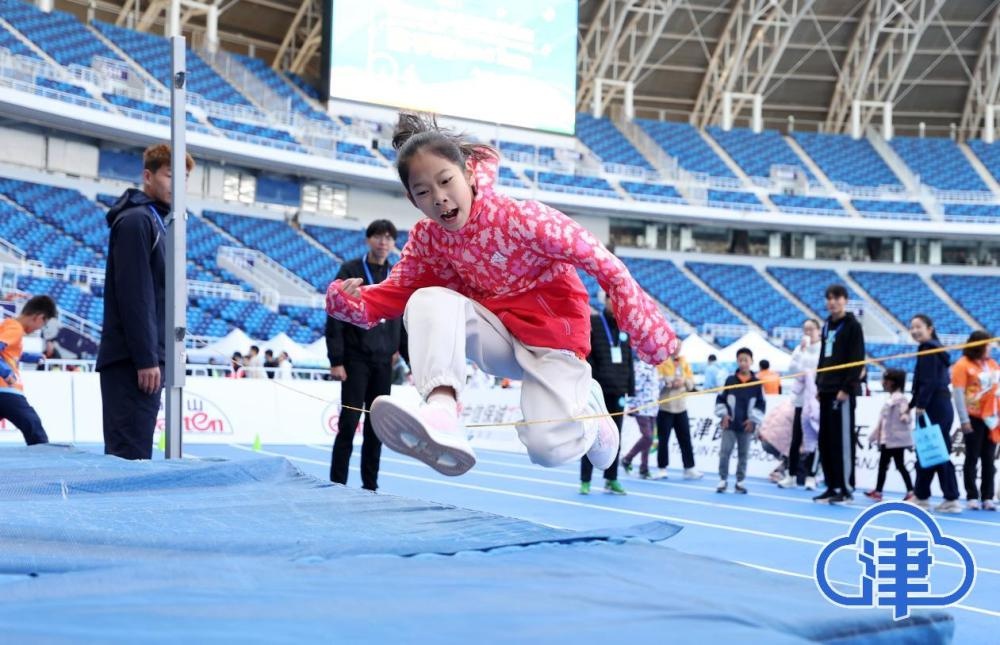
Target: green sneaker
[
  {"x": 627, "y": 467},
  {"x": 585, "y": 488},
  {"x": 614, "y": 487}
]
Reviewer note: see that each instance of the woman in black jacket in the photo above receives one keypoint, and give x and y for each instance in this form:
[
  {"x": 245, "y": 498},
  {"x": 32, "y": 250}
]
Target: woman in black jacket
[{"x": 931, "y": 395}]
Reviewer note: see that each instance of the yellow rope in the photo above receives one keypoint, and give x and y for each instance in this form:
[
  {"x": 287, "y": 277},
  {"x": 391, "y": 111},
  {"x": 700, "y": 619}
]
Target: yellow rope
[{"x": 684, "y": 395}]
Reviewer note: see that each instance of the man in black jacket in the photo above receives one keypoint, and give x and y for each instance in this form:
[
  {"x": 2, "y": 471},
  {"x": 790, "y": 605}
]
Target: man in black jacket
[
  {"x": 132, "y": 352},
  {"x": 362, "y": 360},
  {"x": 843, "y": 341},
  {"x": 611, "y": 366}
]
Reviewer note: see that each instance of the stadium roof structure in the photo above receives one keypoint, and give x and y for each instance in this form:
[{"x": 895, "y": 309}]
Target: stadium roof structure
[{"x": 934, "y": 61}]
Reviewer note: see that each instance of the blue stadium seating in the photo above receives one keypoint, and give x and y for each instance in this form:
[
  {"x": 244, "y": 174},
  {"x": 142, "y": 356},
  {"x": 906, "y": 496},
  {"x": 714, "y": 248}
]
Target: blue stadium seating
[
  {"x": 41, "y": 234},
  {"x": 809, "y": 286},
  {"x": 886, "y": 209},
  {"x": 904, "y": 295},
  {"x": 971, "y": 212},
  {"x": 593, "y": 288},
  {"x": 304, "y": 85},
  {"x": 14, "y": 45},
  {"x": 68, "y": 296},
  {"x": 260, "y": 132},
  {"x": 756, "y": 153},
  {"x": 153, "y": 53},
  {"x": 881, "y": 350},
  {"x": 938, "y": 162},
  {"x": 276, "y": 82},
  {"x": 652, "y": 192},
  {"x": 357, "y": 153},
  {"x": 665, "y": 282},
  {"x": 684, "y": 143},
  {"x": 608, "y": 143},
  {"x": 57, "y": 33},
  {"x": 846, "y": 160},
  {"x": 747, "y": 290},
  {"x": 162, "y": 112},
  {"x": 580, "y": 184},
  {"x": 308, "y": 323},
  {"x": 252, "y": 317},
  {"x": 988, "y": 153},
  {"x": 734, "y": 199},
  {"x": 977, "y": 295},
  {"x": 282, "y": 243},
  {"x": 812, "y": 203},
  {"x": 508, "y": 177},
  {"x": 64, "y": 209}
]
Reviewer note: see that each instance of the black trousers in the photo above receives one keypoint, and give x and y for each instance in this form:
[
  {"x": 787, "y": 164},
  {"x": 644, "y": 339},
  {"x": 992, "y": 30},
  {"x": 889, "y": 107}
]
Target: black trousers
[
  {"x": 365, "y": 381},
  {"x": 681, "y": 423},
  {"x": 16, "y": 409},
  {"x": 941, "y": 412},
  {"x": 979, "y": 448},
  {"x": 897, "y": 455},
  {"x": 836, "y": 441},
  {"x": 129, "y": 413},
  {"x": 613, "y": 402},
  {"x": 796, "y": 447}
]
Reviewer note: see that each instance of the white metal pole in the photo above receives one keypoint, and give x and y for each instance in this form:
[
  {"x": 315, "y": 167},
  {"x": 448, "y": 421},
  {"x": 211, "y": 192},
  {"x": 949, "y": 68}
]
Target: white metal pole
[
  {"x": 989, "y": 128},
  {"x": 176, "y": 296},
  {"x": 629, "y": 101},
  {"x": 855, "y": 119},
  {"x": 596, "y": 108},
  {"x": 727, "y": 111},
  {"x": 887, "y": 121},
  {"x": 758, "y": 114}
]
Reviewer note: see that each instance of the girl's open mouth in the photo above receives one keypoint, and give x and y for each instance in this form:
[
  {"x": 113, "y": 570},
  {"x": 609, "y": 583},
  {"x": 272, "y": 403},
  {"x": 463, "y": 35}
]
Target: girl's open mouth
[{"x": 449, "y": 216}]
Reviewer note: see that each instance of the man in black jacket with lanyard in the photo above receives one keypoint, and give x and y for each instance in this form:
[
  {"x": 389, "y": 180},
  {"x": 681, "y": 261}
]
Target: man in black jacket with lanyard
[
  {"x": 842, "y": 342},
  {"x": 362, "y": 360},
  {"x": 611, "y": 366}
]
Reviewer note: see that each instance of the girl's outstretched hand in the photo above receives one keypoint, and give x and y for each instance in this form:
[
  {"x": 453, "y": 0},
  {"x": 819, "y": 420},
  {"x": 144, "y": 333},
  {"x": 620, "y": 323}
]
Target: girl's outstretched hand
[{"x": 351, "y": 287}]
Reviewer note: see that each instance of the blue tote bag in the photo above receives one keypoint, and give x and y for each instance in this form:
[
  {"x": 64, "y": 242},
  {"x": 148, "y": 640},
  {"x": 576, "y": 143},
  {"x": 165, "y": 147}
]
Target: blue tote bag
[{"x": 929, "y": 443}]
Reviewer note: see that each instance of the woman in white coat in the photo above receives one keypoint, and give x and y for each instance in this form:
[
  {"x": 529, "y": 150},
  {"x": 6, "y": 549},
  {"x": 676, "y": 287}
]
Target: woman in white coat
[{"x": 805, "y": 358}]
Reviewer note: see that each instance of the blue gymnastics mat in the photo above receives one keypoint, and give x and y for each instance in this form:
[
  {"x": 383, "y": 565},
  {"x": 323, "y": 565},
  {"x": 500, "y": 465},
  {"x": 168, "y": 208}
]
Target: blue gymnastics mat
[{"x": 97, "y": 549}]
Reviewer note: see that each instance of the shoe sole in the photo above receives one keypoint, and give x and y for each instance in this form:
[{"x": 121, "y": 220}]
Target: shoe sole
[{"x": 407, "y": 435}]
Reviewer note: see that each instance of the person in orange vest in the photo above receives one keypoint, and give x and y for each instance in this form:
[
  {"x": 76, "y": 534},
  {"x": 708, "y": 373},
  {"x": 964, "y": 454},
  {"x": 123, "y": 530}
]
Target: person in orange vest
[
  {"x": 770, "y": 380},
  {"x": 14, "y": 407}
]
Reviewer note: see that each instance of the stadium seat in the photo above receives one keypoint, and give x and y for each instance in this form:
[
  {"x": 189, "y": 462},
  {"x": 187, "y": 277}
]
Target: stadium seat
[
  {"x": 904, "y": 295},
  {"x": 757, "y": 153},
  {"x": 744, "y": 288},
  {"x": 846, "y": 160}
]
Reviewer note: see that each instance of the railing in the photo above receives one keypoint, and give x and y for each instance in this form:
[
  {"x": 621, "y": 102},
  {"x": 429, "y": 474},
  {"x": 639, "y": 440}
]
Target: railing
[
  {"x": 730, "y": 331},
  {"x": 234, "y": 71},
  {"x": 201, "y": 288},
  {"x": 12, "y": 250},
  {"x": 249, "y": 259},
  {"x": 49, "y": 93},
  {"x": 313, "y": 302},
  {"x": 970, "y": 196},
  {"x": 895, "y": 191}
]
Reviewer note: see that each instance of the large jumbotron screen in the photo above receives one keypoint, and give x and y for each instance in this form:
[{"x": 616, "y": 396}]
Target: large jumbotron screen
[{"x": 510, "y": 62}]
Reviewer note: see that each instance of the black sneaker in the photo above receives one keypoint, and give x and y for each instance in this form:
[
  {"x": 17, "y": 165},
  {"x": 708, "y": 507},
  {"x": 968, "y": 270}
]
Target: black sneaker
[
  {"x": 842, "y": 498},
  {"x": 825, "y": 497},
  {"x": 740, "y": 488}
]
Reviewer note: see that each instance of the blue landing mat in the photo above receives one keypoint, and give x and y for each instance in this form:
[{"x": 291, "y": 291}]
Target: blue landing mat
[{"x": 255, "y": 551}]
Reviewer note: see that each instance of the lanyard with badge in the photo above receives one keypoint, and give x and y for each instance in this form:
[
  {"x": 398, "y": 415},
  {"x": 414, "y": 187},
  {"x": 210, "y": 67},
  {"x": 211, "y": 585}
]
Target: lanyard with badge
[
  {"x": 159, "y": 224},
  {"x": 368, "y": 273},
  {"x": 616, "y": 348},
  {"x": 829, "y": 337}
]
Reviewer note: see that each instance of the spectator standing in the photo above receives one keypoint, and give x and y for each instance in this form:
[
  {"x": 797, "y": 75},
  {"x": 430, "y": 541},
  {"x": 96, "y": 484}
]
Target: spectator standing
[
  {"x": 676, "y": 379},
  {"x": 741, "y": 411},
  {"x": 932, "y": 397},
  {"x": 715, "y": 374},
  {"x": 132, "y": 350},
  {"x": 974, "y": 379},
  {"x": 611, "y": 366},
  {"x": 643, "y": 407},
  {"x": 805, "y": 358},
  {"x": 362, "y": 360},
  {"x": 893, "y": 434},
  {"x": 842, "y": 343},
  {"x": 769, "y": 379}
]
